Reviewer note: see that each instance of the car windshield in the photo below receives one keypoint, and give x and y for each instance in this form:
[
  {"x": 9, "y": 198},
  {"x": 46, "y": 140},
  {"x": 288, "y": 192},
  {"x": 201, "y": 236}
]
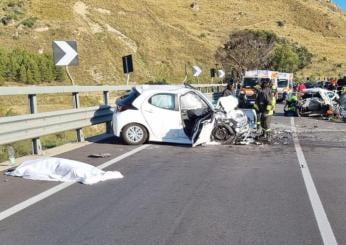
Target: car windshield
[
  {"x": 250, "y": 82},
  {"x": 192, "y": 101},
  {"x": 128, "y": 99},
  {"x": 282, "y": 83}
]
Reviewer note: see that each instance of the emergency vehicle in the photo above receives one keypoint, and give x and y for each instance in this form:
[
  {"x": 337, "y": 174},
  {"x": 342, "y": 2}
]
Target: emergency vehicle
[
  {"x": 285, "y": 85},
  {"x": 251, "y": 83}
]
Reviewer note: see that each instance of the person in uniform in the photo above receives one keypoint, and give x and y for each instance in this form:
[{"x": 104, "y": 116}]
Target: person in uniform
[{"x": 265, "y": 107}]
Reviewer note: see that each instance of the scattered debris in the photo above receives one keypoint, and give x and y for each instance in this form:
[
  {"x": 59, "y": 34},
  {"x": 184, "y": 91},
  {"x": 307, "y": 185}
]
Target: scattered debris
[{"x": 99, "y": 155}]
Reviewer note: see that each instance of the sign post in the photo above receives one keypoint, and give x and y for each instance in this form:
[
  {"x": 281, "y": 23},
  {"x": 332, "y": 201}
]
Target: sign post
[
  {"x": 221, "y": 73},
  {"x": 196, "y": 71},
  {"x": 127, "y": 67},
  {"x": 212, "y": 74},
  {"x": 65, "y": 54}
]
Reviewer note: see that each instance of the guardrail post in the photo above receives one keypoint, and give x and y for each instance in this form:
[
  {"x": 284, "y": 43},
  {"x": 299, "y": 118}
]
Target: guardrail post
[
  {"x": 36, "y": 143},
  {"x": 106, "y": 102},
  {"x": 76, "y": 105}
]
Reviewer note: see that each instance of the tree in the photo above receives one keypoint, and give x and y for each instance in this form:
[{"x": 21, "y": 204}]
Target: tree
[
  {"x": 30, "y": 76},
  {"x": 60, "y": 74},
  {"x": 285, "y": 59},
  {"x": 35, "y": 70},
  {"x": 249, "y": 50},
  {"x": 22, "y": 74}
]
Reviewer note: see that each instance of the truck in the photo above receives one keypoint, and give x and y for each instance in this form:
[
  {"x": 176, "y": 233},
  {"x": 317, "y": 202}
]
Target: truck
[{"x": 250, "y": 84}]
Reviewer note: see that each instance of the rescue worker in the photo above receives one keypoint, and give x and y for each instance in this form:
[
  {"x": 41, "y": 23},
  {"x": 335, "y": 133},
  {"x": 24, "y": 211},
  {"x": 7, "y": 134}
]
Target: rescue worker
[
  {"x": 265, "y": 106},
  {"x": 291, "y": 106}
]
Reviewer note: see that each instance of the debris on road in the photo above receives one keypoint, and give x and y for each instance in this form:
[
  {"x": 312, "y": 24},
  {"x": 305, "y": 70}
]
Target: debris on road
[
  {"x": 64, "y": 170},
  {"x": 100, "y": 155}
]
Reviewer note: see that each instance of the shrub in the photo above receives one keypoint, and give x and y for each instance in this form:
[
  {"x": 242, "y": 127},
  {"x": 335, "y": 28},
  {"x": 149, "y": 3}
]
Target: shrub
[
  {"x": 22, "y": 66},
  {"x": 29, "y": 22}
]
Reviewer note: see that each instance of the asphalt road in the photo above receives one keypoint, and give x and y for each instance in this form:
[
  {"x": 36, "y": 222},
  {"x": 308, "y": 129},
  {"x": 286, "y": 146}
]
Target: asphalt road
[{"x": 174, "y": 194}]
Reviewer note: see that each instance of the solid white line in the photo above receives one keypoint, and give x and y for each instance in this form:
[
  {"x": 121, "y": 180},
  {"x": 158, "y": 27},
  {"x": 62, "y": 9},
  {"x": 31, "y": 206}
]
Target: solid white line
[
  {"x": 324, "y": 226},
  {"x": 35, "y": 199}
]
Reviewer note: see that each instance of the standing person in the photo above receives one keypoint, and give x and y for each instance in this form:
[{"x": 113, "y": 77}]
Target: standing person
[
  {"x": 229, "y": 89},
  {"x": 301, "y": 87},
  {"x": 265, "y": 106}
]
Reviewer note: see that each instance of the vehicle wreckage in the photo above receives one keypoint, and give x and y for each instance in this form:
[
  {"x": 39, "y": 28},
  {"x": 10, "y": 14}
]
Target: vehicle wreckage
[
  {"x": 180, "y": 114},
  {"x": 314, "y": 102}
]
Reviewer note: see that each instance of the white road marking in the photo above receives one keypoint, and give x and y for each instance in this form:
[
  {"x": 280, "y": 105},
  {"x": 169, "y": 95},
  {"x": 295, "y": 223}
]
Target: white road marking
[
  {"x": 326, "y": 231},
  {"x": 35, "y": 199}
]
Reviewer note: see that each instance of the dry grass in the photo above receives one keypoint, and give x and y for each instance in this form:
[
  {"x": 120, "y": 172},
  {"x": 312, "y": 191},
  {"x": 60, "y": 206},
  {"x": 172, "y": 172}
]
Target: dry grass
[{"x": 169, "y": 34}]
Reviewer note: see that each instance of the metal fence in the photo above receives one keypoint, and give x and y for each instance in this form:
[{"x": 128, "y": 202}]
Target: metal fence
[{"x": 35, "y": 125}]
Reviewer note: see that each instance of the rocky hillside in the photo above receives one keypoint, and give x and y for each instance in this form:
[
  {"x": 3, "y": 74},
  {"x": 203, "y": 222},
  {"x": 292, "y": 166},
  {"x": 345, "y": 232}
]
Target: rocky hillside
[{"x": 164, "y": 35}]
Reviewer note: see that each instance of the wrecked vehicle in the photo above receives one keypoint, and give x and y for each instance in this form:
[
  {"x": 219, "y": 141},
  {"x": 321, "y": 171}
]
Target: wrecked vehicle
[
  {"x": 319, "y": 102},
  {"x": 343, "y": 105},
  {"x": 179, "y": 114}
]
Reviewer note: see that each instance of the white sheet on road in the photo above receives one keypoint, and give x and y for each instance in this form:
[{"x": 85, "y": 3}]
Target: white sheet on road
[{"x": 58, "y": 169}]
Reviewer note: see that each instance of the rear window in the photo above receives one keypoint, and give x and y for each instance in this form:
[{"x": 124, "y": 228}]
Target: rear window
[{"x": 128, "y": 99}]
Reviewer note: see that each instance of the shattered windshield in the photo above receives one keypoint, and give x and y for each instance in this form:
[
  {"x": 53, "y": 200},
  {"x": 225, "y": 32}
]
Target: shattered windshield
[
  {"x": 250, "y": 82},
  {"x": 282, "y": 83}
]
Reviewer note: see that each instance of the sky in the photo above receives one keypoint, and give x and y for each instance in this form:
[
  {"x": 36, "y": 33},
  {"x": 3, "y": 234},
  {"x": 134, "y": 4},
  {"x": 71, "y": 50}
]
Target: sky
[{"x": 341, "y": 3}]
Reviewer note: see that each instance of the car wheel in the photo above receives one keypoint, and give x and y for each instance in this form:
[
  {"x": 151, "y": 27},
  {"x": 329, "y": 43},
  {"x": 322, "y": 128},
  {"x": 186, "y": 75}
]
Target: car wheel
[
  {"x": 134, "y": 134},
  {"x": 224, "y": 134}
]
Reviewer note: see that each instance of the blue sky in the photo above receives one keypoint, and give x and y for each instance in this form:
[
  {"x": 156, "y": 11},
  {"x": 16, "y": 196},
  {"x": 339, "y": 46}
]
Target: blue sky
[{"x": 341, "y": 3}]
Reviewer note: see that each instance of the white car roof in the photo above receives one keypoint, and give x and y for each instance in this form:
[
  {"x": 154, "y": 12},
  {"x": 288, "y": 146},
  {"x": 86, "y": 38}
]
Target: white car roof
[
  {"x": 316, "y": 90},
  {"x": 176, "y": 89}
]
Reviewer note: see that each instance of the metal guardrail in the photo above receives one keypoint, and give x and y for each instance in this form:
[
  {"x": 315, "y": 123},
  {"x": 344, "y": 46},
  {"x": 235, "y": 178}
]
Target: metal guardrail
[{"x": 35, "y": 125}]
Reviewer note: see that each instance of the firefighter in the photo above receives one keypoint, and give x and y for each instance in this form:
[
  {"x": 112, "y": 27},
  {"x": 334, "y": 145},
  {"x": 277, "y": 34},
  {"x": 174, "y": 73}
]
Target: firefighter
[
  {"x": 265, "y": 106},
  {"x": 291, "y": 106}
]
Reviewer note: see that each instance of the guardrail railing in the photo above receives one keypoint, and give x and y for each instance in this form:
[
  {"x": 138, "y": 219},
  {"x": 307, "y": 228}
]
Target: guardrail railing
[{"x": 35, "y": 125}]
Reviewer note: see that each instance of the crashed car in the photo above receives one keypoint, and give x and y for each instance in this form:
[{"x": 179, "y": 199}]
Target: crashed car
[
  {"x": 319, "y": 102},
  {"x": 343, "y": 105},
  {"x": 179, "y": 114}
]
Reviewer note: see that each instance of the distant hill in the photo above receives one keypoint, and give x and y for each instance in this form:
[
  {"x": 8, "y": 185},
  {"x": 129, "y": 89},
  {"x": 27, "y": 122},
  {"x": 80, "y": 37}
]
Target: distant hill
[{"x": 164, "y": 35}]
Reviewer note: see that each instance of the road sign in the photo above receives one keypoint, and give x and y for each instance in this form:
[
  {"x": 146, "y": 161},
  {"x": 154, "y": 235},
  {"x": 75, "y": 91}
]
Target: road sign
[
  {"x": 212, "y": 72},
  {"x": 221, "y": 73},
  {"x": 127, "y": 64},
  {"x": 65, "y": 53},
  {"x": 196, "y": 70}
]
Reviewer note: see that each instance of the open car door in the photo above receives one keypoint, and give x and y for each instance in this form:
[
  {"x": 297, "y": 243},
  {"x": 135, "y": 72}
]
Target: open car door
[
  {"x": 197, "y": 118},
  {"x": 203, "y": 130}
]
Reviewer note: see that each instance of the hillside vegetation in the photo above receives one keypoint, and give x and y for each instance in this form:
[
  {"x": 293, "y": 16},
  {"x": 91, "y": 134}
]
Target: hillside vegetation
[{"x": 164, "y": 35}]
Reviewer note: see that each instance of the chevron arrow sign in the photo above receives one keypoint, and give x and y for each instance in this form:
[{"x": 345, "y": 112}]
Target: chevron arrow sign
[{"x": 65, "y": 53}]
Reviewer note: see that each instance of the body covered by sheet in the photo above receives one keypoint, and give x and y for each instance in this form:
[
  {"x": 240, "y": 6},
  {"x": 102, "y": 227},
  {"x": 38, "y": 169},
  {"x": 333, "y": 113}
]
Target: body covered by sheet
[{"x": 58, "y": 169}]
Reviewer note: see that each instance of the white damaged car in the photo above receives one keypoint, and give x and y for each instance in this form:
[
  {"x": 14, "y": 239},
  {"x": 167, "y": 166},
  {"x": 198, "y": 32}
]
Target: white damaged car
[{"x": 179, "y": 114}]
